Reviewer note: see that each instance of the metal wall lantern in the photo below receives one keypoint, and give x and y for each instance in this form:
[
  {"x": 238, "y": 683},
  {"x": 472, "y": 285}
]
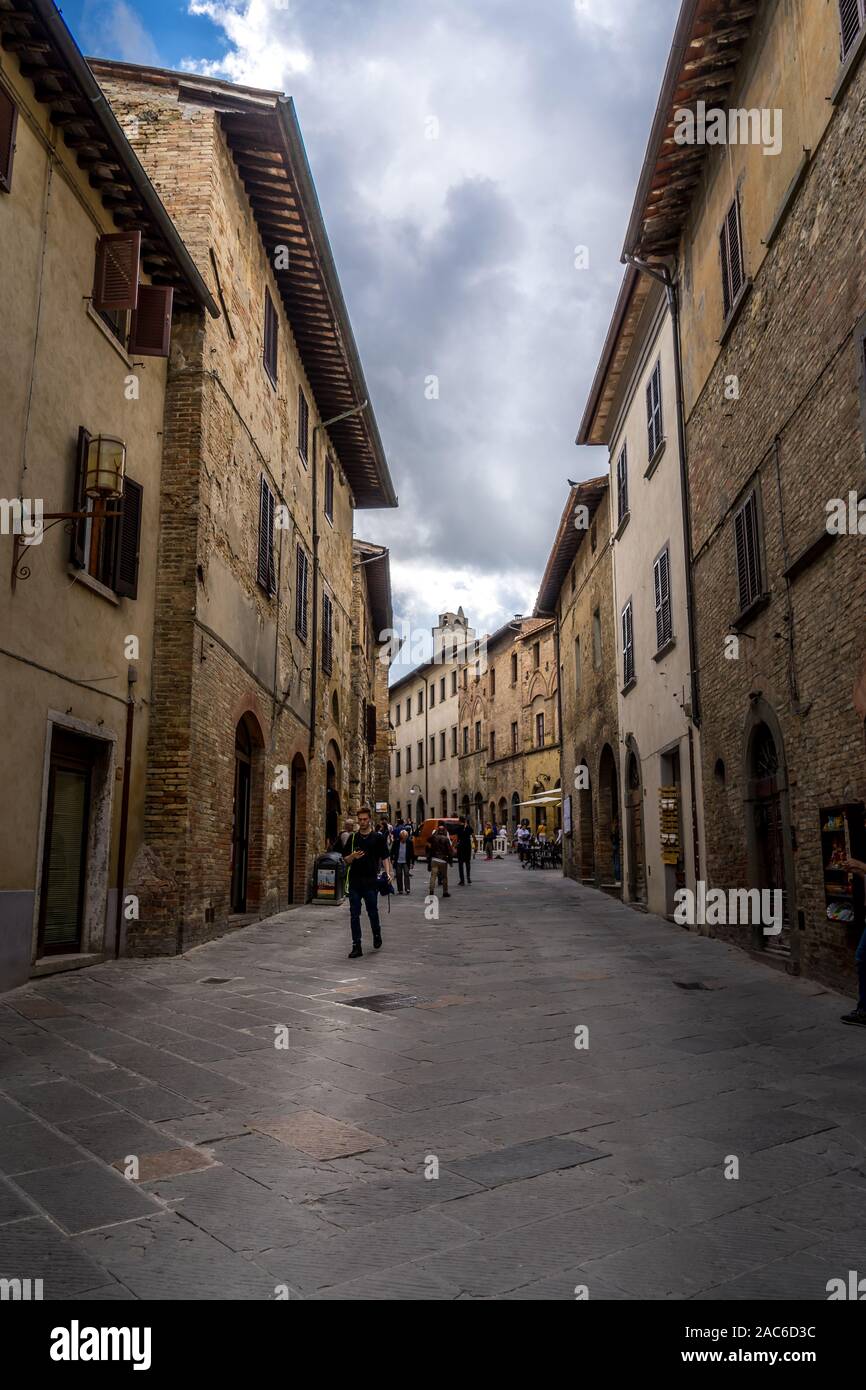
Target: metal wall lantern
[{"x": 104, "y": 472}]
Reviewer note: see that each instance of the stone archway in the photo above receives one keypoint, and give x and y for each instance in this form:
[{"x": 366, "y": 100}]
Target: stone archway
[
  {"x": 608, "y": 857},
  {"x": 333, "y": 781},
  {"x": 768, "y": 821}
]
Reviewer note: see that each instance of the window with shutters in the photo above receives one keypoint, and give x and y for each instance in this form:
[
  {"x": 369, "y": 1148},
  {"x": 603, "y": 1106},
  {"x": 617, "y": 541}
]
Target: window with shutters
[
  {"x": 852, "y": 19},
  {"x": 8, "y": 128},
  {"x": 115, "y": 280},
  {"x": 329, "y": 490},
  {"x": 731, "y": 255},
  {"x": 622, "y": 485},
  {"x": 748, "y": 552},
  {"x": 327, "y": 633},
  {"x": 302, "y": 571},
  {"x": 627, "y": 646},
  {"x": 271, "y": 338},
  {"x": 303, "y": 426},
  {"x": 654, "y": 423},
  {"x": 266, "y": 574},
  {"x": 662, "y": 593}
]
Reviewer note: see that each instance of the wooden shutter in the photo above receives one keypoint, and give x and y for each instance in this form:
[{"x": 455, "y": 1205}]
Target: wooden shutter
[
  {"x": 265, "y": 572},
  {"x": 8, "y": 128},
  {"x": 127, "y": 543},
  {"x": 79, "y": 499},
  {"x": 622, "y": 484},
  {"x": 303, "y": 424},
  {"x": 748, "y": 552},
  {"x": 654, "y": 410},
  {"x": 271, "y": 338},
  {"x": 301, "y": 595},
  {"x": 115, "y": 280},
  {"x": 327, "y": 632},
  {"x": 662, "y": 583},
  {"x": 852, "y": 15},
  {"x": 150, "y": 334},
  {"x": 731, "y": 252},
  {"x": 627, "y": 645}
]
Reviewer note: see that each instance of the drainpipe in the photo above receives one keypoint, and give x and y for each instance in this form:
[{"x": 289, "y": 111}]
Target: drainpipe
[
  {"x": 132, "y": 677},
  {"x": 663, "y": 275},
  {"x": 314, "y": 645}
]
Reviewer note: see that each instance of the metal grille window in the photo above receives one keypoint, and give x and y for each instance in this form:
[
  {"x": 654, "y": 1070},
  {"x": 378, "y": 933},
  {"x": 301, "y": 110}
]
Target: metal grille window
[
  {"x": 266, "y": 575},
  {"x": 731, "y": 252},
  {"x": 329, "y": 490},
  {"x": 852, "y": 17},
  {"x": 303, "y": 425},
  {"x": 327, "y": 633},
  {"x": 748, "y": 548},
  {"x": 272, "y": 329},
  {"x": 622, "y": 484},
  {"x": 662, "y": 589},
  {"x": 627, "y": 645},
  {"x": 302, "y": 572},
  {"x": 654, "y": 411}
]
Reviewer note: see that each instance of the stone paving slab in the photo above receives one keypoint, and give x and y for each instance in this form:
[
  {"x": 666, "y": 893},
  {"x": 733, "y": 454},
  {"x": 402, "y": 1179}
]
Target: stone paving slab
[{"x": 480, "y": 1083}]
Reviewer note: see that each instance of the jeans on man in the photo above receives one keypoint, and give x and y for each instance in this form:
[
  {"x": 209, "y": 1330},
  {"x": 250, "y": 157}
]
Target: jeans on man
[
  {"x": 861, "y": 971},
  {"x": 370, "y": 898},
  {"x": 403, "y": 877},
  {"x": 463, "y": 864}
]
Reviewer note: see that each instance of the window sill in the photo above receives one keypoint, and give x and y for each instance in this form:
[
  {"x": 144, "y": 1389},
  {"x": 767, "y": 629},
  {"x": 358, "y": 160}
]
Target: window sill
[
  {"x": 847, "y": 70},
  {"x": 629, "y": 685},
  {"x": 750, "y": 611},
  {"x": 96, "y": 585},
  {"x": 108, "y": 335},
  {"x": 626, "y": 518},
  {"x": 734, "y": 313},
  {"x": 655, "y": 460},
  {"x": 663, "y": 650}
]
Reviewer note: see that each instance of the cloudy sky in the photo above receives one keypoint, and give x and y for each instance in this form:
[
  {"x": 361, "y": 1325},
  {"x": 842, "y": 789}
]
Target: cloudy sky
[{"x": 462, "y": 151}]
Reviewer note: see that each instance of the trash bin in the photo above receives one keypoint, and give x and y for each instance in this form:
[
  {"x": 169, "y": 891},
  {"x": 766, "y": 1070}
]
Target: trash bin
[{"x": 329, "y": 878}]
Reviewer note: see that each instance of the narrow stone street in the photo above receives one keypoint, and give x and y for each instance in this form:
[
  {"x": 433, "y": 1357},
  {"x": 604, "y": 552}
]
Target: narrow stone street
[{"x": 309, "y": 1171}]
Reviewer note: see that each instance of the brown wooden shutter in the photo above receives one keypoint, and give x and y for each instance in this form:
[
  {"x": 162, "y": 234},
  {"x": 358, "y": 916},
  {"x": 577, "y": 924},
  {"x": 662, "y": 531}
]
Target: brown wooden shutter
[
  {"x": 128, "y": 540},
  {"x": 265, "y": 574},
  {"x": 851, "y": 18},
  {"x": 115, "y": 280},
  {"x": 271, "y": 338},
  {"x": 79, "y": 499},
  {"x": 301, "y": 595},
  {"x": 8, "y": 127},
  {"x": 150, "y": 333}
]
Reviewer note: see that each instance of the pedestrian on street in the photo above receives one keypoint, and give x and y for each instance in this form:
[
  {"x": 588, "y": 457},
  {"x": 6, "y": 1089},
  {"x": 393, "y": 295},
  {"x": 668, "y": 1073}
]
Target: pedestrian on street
[
  {"x": 345, "y": 834},
  {"x": 367, "y": 850},
  {"x": 856, "y": 866},
  {"x": 464, "y": 851},
  {"x": 404, "y": 858},
  {"x": 439, "y": 856},
  {"x": 488, "y": 841}
]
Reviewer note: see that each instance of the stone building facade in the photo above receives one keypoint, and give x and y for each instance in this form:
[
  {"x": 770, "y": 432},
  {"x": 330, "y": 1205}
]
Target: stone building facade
[
  {"x": 423, "y": 726},
  {"x": 771, "y": 280},
  {"x": 372, "y": 616},
  {"x": 509, "y": 727},
  {"x": 78, "y": 365},
  {"x": 577, "y": 587},
  {"x": 267, "y": 454},
  {"x": 633, "y": 410}
]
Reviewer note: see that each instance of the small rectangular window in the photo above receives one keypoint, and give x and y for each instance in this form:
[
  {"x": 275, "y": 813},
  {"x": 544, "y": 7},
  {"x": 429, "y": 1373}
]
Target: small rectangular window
[
  {"x": 432, "y": 695},
  {"x": 514, "y": 668},
  {"x": 748, "y": 552},
  {"x": 514, "y": 737},
  {"x": 539, "y": 730},
  {"x": 852, "y": 17},
  {"x": 596, "y": 640},
  {"x": 420, "y": 763},
  {"x": 492, "y": 682},
  {"x": 731, "y": 253},
  {"x": 627, "y": 645},
  {"x": 453, "y": 682},
  {"x": 408, "y": 706},
  {"x": 662, "y": 592},
  {"x": 441, "y": 689},
  {"x": 536, "y": 655},
  {"x": 466, "y": 738},
  {"x": 432, "y": 748},
  {"x": 477, "y": 734},
  {"x": 622, "y": 484},
  {"x": 271, "y": 336},
  {"x": 8, "y": 128},
  {"x": 398, "y": 710},
  {"x": 577, "y": 663},
  {"x": 303, "y": 426},
  {"x": 654, "y": 411},
  {"x": 266, "y": 574},
  {"x": 327, "y": 633},
  {"x": 442, "y": 746},
  {"x": 420, "y": 701},
  {"x": 492, "y": 745},
  {"x": 454, "y": 741},
  {"x": 301, "y": 594},
  {"x": 329, "y": 490},
  {"x": 408, "y": 757},
  {"x": 397, "y": 763}
]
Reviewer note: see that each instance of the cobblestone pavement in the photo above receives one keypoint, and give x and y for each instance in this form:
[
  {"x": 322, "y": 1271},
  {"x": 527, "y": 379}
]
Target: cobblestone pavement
[{"x": 266, "y": 1171}]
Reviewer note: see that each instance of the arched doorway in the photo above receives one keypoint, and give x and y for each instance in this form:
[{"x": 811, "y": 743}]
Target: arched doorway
[
  {"x": 333, "y": 808},
  {"x": 298, "y": 831},
  {"x": 609, "y": 854},
  {"x": 585, "y": 824},
  {"x": 246, "y": 815},
  {"x": 767, "y": 819},
  {"x": 634, "y": 829}
]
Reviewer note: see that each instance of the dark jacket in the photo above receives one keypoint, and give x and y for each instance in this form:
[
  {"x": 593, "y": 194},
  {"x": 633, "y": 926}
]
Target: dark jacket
[
  {"x": 464, "y": 842},
  {"x": 410, "y": 850},
  {"x": 439, "y": 845}
]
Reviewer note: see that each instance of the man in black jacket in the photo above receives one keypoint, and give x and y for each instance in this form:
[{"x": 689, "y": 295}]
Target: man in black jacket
[
  {"x": 367, "y": 849},
  {"x": 464, "y": 851}
]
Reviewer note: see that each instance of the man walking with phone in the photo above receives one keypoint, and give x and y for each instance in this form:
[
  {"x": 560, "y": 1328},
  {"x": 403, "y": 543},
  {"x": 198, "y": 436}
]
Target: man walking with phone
[{"x": 366, "y": 850}]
